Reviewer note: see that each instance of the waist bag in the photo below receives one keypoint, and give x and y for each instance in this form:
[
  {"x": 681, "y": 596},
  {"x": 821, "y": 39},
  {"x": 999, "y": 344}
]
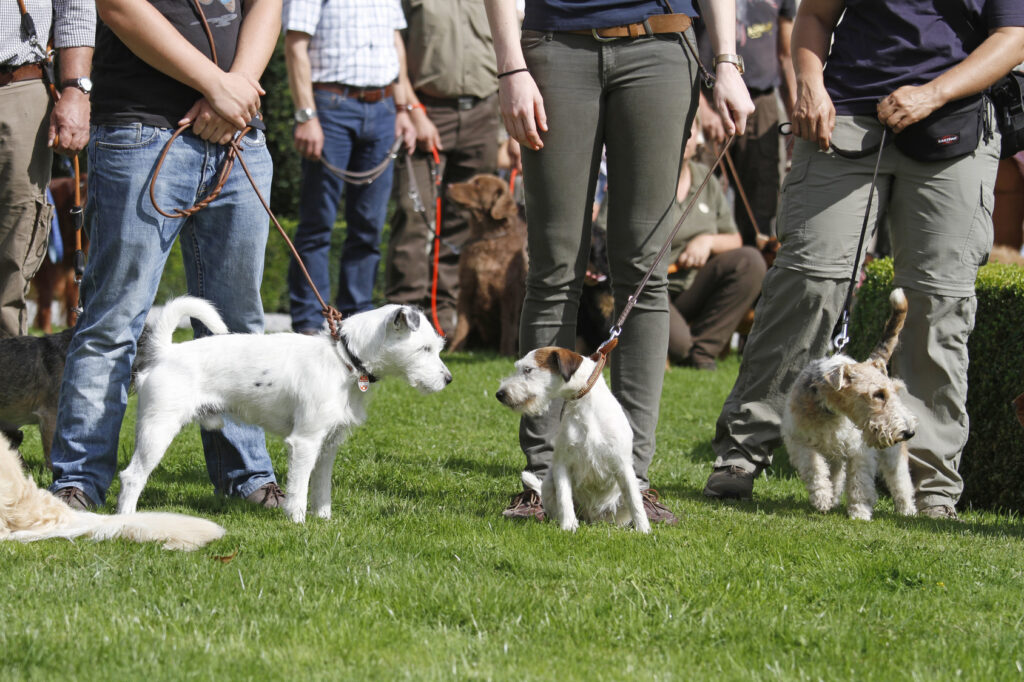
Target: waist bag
[
  {"x": 1008, "y": 97},
  {"x": 949, "y": 132}
]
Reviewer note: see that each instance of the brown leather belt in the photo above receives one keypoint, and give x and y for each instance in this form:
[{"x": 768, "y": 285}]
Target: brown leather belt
[
  {"x": 25, "y": 72},
  {"x": 658, "y": 23},
  {"x": 369, "y": 95}
]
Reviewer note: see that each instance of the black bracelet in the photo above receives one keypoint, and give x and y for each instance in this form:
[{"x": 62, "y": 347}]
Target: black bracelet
[{"x": 509, "y": 73}]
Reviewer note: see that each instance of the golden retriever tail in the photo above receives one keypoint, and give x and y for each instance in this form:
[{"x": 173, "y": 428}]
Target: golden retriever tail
[{"x": 28, "y": 513}]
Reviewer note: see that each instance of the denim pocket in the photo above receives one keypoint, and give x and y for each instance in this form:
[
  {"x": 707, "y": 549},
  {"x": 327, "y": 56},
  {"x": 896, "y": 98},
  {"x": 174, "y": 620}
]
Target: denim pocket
[
  {"x": 254, "y": 139},
  {"x": 134, "y": 136}
]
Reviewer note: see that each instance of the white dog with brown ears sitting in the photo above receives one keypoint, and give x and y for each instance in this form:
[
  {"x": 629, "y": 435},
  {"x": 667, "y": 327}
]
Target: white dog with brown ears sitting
[
  {"x": 844, "y": 419},
  {"x": 29, "y": 513},
  {"x": 313, "y": 390},
  {"x": 592, "y": 466}
]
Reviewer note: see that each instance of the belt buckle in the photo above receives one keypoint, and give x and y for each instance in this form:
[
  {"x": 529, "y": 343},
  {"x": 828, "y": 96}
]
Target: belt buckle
[
  {"x": 465, "y": 103},
  {"x": 600, "y": 38}
]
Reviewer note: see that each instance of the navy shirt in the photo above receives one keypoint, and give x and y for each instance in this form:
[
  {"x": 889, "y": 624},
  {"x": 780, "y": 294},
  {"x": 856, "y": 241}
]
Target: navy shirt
[
  {"x": 881, "y": 46},
  {"x": 576, "y": 15},
  {"x": 757, "y": 40}
]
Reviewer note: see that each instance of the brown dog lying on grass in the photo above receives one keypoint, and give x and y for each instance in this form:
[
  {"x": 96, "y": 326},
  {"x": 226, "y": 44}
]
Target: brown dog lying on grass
[{"x": 492, "y": 267}]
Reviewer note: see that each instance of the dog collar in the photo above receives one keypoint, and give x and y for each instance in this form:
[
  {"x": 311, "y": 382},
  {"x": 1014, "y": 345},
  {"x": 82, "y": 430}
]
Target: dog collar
[
  {"x": 363, "y": 376},
  {"x": 600, "y": 357}
]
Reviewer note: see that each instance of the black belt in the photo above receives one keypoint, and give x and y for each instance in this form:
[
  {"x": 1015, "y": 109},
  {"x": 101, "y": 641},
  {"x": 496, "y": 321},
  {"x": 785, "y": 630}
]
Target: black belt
[
  {"x": 460, "y": 103},
  {"x": 759, "y": 92}
]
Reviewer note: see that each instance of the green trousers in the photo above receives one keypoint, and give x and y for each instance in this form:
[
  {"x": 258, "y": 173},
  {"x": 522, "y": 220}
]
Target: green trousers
[
  {"x": 635, "y": 98},
  {"x": 941, "y": 219}
]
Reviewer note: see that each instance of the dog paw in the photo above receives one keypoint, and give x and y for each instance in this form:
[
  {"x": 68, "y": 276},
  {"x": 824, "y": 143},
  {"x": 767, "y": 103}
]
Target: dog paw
[
  {"x": 859, "y": 512},
  {"x": 822, "y": 501},
  {"x": 906, "y": 509},
  {"x": 323, "y": 512},
  {"x": 643, "y": 527},
  {"x": 570, "y": 525},
  {"x": 296, "y": 514}
]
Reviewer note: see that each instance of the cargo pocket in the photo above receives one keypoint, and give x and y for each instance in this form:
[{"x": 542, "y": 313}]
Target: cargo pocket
[
  {"x": 37, "y": 240},
  {"x": 978, "y": 243}
]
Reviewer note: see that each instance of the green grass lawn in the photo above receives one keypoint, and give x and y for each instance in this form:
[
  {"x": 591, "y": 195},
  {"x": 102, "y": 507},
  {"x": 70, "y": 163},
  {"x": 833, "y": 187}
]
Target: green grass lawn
[{"x": 418, "y": 576}]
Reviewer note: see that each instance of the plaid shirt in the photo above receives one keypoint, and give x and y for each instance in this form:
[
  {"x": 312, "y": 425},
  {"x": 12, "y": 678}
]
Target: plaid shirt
[
  {"x": 74, "y": 26},
  {"x": 353, "y": 40}
]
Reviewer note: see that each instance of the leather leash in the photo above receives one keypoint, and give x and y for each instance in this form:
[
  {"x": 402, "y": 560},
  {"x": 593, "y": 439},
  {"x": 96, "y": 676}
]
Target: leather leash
[{"x": 417, "y": 203}]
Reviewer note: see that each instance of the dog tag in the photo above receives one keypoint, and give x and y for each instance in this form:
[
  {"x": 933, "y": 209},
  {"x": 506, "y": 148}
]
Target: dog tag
[{"x": 364, "y": 383}]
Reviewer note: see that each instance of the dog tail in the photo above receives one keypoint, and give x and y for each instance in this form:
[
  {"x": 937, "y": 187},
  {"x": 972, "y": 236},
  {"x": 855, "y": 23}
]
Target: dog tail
[
  {"x": 162, "y": 328},
  {"x": 28, "y": 513},
  {"x": 175, "y": 531},
  {"x": 893, "y": 327}
]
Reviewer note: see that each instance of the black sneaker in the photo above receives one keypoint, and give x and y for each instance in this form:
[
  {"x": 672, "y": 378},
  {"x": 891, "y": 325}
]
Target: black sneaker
[
  {"x": 656, "y": 511},
  {"x": 75, "y": 498},
  {"x": 730, "y": 483},
  {"x": 525, "y": 505},
  {"x": 268, "y": 495}
]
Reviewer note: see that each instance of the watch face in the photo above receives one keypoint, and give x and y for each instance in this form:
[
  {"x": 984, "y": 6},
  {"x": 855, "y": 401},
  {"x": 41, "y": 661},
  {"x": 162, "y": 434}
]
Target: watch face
[{"x": 85, "y": 84}]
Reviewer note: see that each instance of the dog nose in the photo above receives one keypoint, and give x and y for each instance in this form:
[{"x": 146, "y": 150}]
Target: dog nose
[
  {"x": 500, "y": 395},
  {"x": 908, "y": 434},
  {"x": 447, "y": 378}
]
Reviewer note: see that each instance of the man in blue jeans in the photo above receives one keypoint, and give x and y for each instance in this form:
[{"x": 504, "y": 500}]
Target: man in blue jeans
[
  {"x": 346, "y": 68},
  {"x": 140, "y": 96}
]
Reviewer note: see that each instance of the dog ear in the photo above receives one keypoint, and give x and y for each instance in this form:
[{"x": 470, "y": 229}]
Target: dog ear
[
  {"x": 406, "y": 318},
  {"x": 565, "y": 363},
  {"x": 836, "y": 377},
  {"x": 503, "y": 206}
]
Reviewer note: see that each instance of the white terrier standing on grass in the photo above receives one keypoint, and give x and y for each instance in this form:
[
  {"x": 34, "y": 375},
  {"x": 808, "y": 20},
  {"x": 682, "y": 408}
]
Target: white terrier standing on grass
[
  {"x": 312, "y": 390},
  {"x": 844, "y": 418},
  {"x": 592, "y": 463}
]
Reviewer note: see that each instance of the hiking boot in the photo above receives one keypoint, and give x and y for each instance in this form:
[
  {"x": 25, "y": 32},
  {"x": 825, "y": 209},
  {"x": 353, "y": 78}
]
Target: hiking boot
[
  {"x": 268, "y": 495},
  {"x": 75, "y": 498},
  {"x": 525, "y": 505},
  {"x": 730, "y": 483},
  {"x": 940, "y": 512},
  {"x": 656, "y": 511}
]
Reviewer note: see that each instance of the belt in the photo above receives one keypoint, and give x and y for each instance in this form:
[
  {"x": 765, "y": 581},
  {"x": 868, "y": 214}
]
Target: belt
[
  {"x": 362, "y": 94},
  {"x": 656, "y": 23},
  {"x": 760, "y": 92},
  {"x": 25, "y": 72},
  {"x": 460, "y": 103}
]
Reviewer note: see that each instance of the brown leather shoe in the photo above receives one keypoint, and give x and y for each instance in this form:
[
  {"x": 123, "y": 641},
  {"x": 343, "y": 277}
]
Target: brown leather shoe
[
  {"x": 268, "y": 495},
  {"x": 75, "y": 498},
  {"x": 730, "y": 483},
  {"x": 656, "y": 511},
  {"x": 525, "y": 505}
]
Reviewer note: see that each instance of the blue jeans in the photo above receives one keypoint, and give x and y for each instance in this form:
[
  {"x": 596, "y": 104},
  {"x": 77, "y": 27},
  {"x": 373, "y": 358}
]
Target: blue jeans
[
  {"x": 129, "y": 241},
  {"x": 357, "y": 137}
]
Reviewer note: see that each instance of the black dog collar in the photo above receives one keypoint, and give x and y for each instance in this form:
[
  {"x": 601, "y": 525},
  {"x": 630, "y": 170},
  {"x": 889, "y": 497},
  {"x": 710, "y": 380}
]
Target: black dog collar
[{"x": 365, "y": 377}]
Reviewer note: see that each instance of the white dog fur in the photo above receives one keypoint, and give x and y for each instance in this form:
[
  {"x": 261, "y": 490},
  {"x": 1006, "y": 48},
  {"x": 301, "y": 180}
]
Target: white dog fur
[
  {"x": 592, "y": 463},
  {"x": 28, "y": 513},
  {"x": 844, "y": 420},
  {"x": 305, "y": 388}
]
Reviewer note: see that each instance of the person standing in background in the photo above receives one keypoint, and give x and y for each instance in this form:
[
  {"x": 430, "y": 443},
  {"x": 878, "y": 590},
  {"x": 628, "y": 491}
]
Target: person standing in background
[
  {"x": 454, "y": 106},
  {"x": 30, "y": 130}
]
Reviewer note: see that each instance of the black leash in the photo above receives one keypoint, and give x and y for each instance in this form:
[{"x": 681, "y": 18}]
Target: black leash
[{"x": 840, "y": 332}]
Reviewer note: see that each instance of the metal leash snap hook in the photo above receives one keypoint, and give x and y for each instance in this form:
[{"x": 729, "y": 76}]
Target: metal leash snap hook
[{"x": 840, "y": 341}]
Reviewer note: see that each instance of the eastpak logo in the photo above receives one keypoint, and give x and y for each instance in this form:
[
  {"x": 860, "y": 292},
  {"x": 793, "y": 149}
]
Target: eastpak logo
[{"x": 948, "y": 139}]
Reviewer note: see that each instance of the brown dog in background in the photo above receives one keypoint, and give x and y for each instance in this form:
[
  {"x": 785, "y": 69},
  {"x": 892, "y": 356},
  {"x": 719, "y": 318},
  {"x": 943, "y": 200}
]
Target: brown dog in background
[
  {"x": 492, "y": 266},
  {"x": 57, "y": 280}
]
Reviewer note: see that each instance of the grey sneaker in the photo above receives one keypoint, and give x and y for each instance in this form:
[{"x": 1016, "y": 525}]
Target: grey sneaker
[
  {"x": 525, "y": 505},
  {"x": 941, "y": 512},
  {"x": 75, "y": 498},
  {"x": 268, "y": 495},
  {"x": 730, "y": 483}
]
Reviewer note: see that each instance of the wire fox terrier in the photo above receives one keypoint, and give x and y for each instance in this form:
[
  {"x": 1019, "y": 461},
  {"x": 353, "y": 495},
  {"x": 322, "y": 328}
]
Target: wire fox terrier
[
  {"x": 592, "y": 464},
  {"x": 843, "y": 419},
  {"x": 312, "y": 390}
]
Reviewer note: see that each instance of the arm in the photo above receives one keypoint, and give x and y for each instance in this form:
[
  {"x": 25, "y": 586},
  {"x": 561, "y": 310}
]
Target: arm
[
  {"x": 522, "y": 107},
  {"x": 404, "y": 127},
  {"x": 700, "y": 248},
  {"x": 731, "y": 99},
  {"x": 147, "y": 33},
  {"x": 308, "y": 136},
  {"x": 814, "y": 116},
  {"x": 69, "y": 120},
  {"x": 993, "y": 59},
  {"x": 787, "y": 84}
]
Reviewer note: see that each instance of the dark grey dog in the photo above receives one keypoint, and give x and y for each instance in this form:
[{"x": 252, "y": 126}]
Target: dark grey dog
[{"x": 31, "y": 368}]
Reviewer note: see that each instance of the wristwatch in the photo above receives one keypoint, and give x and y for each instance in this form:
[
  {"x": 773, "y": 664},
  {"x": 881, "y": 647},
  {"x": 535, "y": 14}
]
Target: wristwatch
[
  {"x": 303, "y": 115},
  {"x": 734, "y": 59},
  {"x": 84, "y": 84}
]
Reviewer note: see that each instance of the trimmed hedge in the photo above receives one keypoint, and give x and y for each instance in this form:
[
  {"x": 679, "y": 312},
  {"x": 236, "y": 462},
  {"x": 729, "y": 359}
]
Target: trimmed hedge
[{"x": 992, "y": 465}]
